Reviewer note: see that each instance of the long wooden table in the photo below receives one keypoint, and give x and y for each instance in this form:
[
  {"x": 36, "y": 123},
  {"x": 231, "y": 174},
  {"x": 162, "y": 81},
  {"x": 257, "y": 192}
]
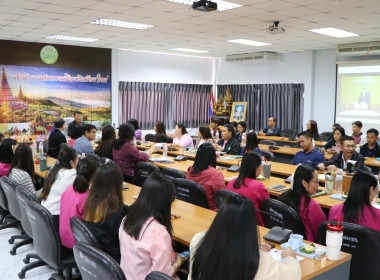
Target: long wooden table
[
  {"x": 285, "y": 140},
  {"x": 195, "y": 219}
]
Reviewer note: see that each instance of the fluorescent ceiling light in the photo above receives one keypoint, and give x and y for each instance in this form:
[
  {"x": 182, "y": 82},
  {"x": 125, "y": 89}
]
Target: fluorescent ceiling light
[
  {"x": 118, "y": 23},
  {"x": 188, "y": 50},
  {"x": 249, "y": 42},
  {"x": 334, "y": 32},
  {"x": 222, "y": 5},
  {"x": 70, "y": 38}
]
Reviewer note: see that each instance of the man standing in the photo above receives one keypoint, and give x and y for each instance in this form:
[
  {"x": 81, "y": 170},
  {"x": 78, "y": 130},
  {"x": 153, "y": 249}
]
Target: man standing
[
  {"x": 75, "y": 129},
  {"x": 371, "y": 148},
  {"x": 56, "y": 138},
  {"x": 83, "y": 143},
  {"x": 340, "y": 160},
  {"x": 309, "y": 154},
  {"x": 272, "y": 129},
  {"x": 228, "y": 144}
]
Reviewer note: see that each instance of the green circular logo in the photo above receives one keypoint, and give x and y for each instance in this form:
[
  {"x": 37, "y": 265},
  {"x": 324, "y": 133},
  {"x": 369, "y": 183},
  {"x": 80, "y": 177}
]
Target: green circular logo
[{"x": 49, "y": 54}]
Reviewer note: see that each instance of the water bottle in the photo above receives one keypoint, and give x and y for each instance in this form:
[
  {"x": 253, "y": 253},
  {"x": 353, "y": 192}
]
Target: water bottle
[
  {"x": 338, "y": 181},
  {"x": 134, "y": 141},
  {"x": 357, "y": 149},
  {"x": 313, "y": 142},
  {"x": 34, "y": 149},
  {"x": 165, "y": 150},
  {"x": 217, "y": 137},
  {"x": 142, "y": 139},
  {"x": 41, "y": 149}
]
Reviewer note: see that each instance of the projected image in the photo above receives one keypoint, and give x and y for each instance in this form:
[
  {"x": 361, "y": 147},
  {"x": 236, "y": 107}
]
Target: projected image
[{"x": 360, "y": 95}]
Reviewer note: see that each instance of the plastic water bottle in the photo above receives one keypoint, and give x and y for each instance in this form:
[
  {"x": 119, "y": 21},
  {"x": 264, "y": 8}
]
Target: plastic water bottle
[
  {"x": 41, "y": 149},
  {"x": 357, "y": 149},
  {"x": 217, "y": 137},
  {"x": 165, "y": 150},
  {"x": 142, "y": 139},
  {"x": 34, "y": 149},
  {"x": 338, "y": 181},
  {"x": 313, "y": 142},
  {"x": 134, "y": 141}
]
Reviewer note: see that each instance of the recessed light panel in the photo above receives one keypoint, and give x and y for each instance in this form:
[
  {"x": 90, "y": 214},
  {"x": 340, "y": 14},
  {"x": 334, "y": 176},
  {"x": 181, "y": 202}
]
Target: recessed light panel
[
  {"x": 334, "y": 32},
  {"x": 123, "y": 24},
  {"x": 249, "y": 42},
  {"x": 188, "y": 50},
  {"x": 71, "y": 38}
]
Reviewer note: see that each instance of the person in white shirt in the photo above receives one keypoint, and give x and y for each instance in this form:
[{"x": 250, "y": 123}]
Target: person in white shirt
[{"x": 59, "y": 178}]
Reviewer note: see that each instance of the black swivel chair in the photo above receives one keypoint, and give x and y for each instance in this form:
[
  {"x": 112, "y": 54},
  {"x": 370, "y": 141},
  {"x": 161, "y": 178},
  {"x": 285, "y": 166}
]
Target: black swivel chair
[
  {"x": 23, "y": 197},
  {"x": 290, "y": 218},
  {"x": 172, "y": 173},
  {"x": 191, "y": 192},
  {"x": 268, "y": 155},
  {"x": 143, "y": 170},
  {"x": 82, "y": 233},
  {"x": 47, "y": 242},
  {"x": 94, "y": 264},
  {"x": 288, "y": 133},
  {"x": 9, "y": 188},
  {"x": 6, "y": 219},
  {"x": 156, "y": 275},
  {"x": 170, "y": 140},
  {"x": 325, "y": 136},
  {"x": 268, "y": 142},
  {"x": 222, "y": 193},
  {"x": 363, "y": 244},
  {"x": 149, "y": 137}
]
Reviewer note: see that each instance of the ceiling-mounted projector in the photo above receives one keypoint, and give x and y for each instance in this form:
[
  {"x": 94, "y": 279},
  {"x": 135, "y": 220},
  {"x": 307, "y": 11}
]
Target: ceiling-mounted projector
[
  {"x": 205, "y": 6},
  {"x": 275, "y": 28}
]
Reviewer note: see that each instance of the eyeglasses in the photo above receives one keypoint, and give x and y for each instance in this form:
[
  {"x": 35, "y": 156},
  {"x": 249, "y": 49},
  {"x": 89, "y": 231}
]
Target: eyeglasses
[{"x": 315, "y": 181}]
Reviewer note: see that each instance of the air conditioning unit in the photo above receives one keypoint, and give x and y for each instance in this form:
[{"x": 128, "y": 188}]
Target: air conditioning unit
[
  {"x": 248, "y": 58},
  {"x": 359, "y": 49}
]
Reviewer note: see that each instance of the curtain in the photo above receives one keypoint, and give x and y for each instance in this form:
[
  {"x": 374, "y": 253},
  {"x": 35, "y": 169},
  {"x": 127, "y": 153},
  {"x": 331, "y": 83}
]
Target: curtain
[
  {"x": 169, "y": 103},
  {"x": 282, "y": 101}
]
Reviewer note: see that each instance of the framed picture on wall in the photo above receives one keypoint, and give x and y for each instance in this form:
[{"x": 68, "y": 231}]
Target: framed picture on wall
[{"x": 238, "y": 112}]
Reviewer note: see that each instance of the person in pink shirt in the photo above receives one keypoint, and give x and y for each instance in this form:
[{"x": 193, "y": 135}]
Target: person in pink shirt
[
  {"x": 357, "y": 208},
  {"x": 74, "y": 198},
  {"x": 182, "y": 138},
  {"x": 204, "y": 173},
  {"x": 146, "y": 232},
  {"x": 7, "y": 149},
  {"x": 304, "y": 184},
  {"x": 247, "y": 185}
]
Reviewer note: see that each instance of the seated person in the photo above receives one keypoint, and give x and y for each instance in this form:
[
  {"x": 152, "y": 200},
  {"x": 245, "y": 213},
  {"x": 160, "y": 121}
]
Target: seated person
[
  {"x": 7, "y": 148},
  {"x": 22, "y": 169},
  {"x": 247, "y": 185},
  {"x": 272, "y": 129},
  {"x": 83, "y": 143},
  {"x": 305, "y": 184},
  {"x": 216, "y": 132},
  {"x": 231, "y": 248},
  {"x": 335, "y": 144},
  {"x": 371, "y": 148},
  {"x": 106, "y": 143},
  {"x": 228, "y": 144},
  {"x": 357, "y": 208},
  {"x": 356, "y": 134},
  {"x": 340, "y": 160},
  {"x": 309, "y": 154},
  {"x": 56, "y": 138},
  {"x": 250, "y": 143},
  {"x": 160, "y": 130},
  {"x": 312, "y": 128},
  {"x": 146, "y": 233},
  {"x": 241, "y": 129},
  {"x": 138, "y": 131},
  {"x": 126, "y": 155},
  {"x": 204, "y": 136},
  {"x": 104, "y": 208},
  {"x": 182, "y": 138},
  {"x": 204, "y": 173}
]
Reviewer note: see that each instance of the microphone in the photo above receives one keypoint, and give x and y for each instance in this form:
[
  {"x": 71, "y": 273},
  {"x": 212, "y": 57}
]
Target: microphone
[{"x": 277, "y": 234}]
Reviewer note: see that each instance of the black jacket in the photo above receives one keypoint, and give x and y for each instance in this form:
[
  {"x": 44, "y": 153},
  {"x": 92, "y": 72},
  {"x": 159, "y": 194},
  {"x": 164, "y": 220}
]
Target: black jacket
[
  {"x": 337, "y": 160},
  {"x": 232, "y": 146},
  {"x": 56, "y": 138}
]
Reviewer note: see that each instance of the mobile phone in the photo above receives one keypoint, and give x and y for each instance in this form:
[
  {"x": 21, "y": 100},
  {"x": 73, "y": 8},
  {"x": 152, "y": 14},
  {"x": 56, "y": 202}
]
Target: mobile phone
[
  {"x": 184, "y": 254},
  {"x": 271, "y": 245}
]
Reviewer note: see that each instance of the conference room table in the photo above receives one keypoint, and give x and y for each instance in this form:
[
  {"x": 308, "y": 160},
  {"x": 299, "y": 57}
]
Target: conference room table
[
  {"x": 285, "y": 141},
  {"x": 194, "y": 219}
]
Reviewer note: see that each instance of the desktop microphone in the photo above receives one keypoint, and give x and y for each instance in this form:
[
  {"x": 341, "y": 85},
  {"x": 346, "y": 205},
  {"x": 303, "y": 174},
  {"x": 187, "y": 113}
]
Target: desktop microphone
[{"x": 277, "y": 234}]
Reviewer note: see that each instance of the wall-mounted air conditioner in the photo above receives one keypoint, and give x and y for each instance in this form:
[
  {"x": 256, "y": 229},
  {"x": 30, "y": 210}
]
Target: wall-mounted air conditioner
[
  {"x": 257, "y": 57},
  {"x": 359, "y": 49}
]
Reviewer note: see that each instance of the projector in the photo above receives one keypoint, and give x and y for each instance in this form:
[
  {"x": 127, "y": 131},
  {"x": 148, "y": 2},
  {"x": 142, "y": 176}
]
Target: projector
[
  {"x": 205, "y": 6},
  {"x": 275, "y": 28}
]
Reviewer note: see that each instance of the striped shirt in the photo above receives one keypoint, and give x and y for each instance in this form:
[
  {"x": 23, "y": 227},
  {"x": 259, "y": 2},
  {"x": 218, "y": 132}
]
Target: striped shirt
[{"x": 22, "y": 178}]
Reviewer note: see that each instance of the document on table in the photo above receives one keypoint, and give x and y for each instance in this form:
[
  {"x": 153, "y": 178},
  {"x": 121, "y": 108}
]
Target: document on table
[{"x": 276, "y": 254}]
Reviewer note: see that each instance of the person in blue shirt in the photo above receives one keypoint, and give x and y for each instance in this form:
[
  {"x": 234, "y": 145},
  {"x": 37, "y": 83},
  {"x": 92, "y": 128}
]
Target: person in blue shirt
[
  {"x": 83, "y": 143},
  {"x": 309, "y": 154},
  {"x": 272, "y": 129},
  {"x": 371, "y": 148}
]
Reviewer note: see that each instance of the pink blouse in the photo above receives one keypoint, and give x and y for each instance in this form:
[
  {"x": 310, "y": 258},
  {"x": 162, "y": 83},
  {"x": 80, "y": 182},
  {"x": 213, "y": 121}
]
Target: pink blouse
[
  {"x": 153, "y": 251},
  {"x": 312, "y": 217},
  {"x": 184, "y": 141},
  {"x": 368, "y": 221}
]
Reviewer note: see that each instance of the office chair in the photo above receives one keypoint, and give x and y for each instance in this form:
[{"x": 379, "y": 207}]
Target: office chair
[
  {"x": 363, "y": 244},
  {"x": 222, "y": 193},
  {"x": 325, "y": 136},
  {"x": 191, "y": 192},
  {"x": 290, "y": 218},
  {"x": 268, "y": 142},
  {"x": 94, "y": 264},
  {"x": 82, "y": 233},
  {"x": 268, "y": 155},
  {"x": 143, "y": 170},
  {"x": 288, "y": 133},
  {"x": 156, "y": 275},
  {"x": 172, "y": 173},
  {"x": 149, "y": 137}
]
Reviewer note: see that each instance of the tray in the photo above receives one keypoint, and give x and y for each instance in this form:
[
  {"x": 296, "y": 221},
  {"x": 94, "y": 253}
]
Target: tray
[{"x": 298, "y": 252}]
